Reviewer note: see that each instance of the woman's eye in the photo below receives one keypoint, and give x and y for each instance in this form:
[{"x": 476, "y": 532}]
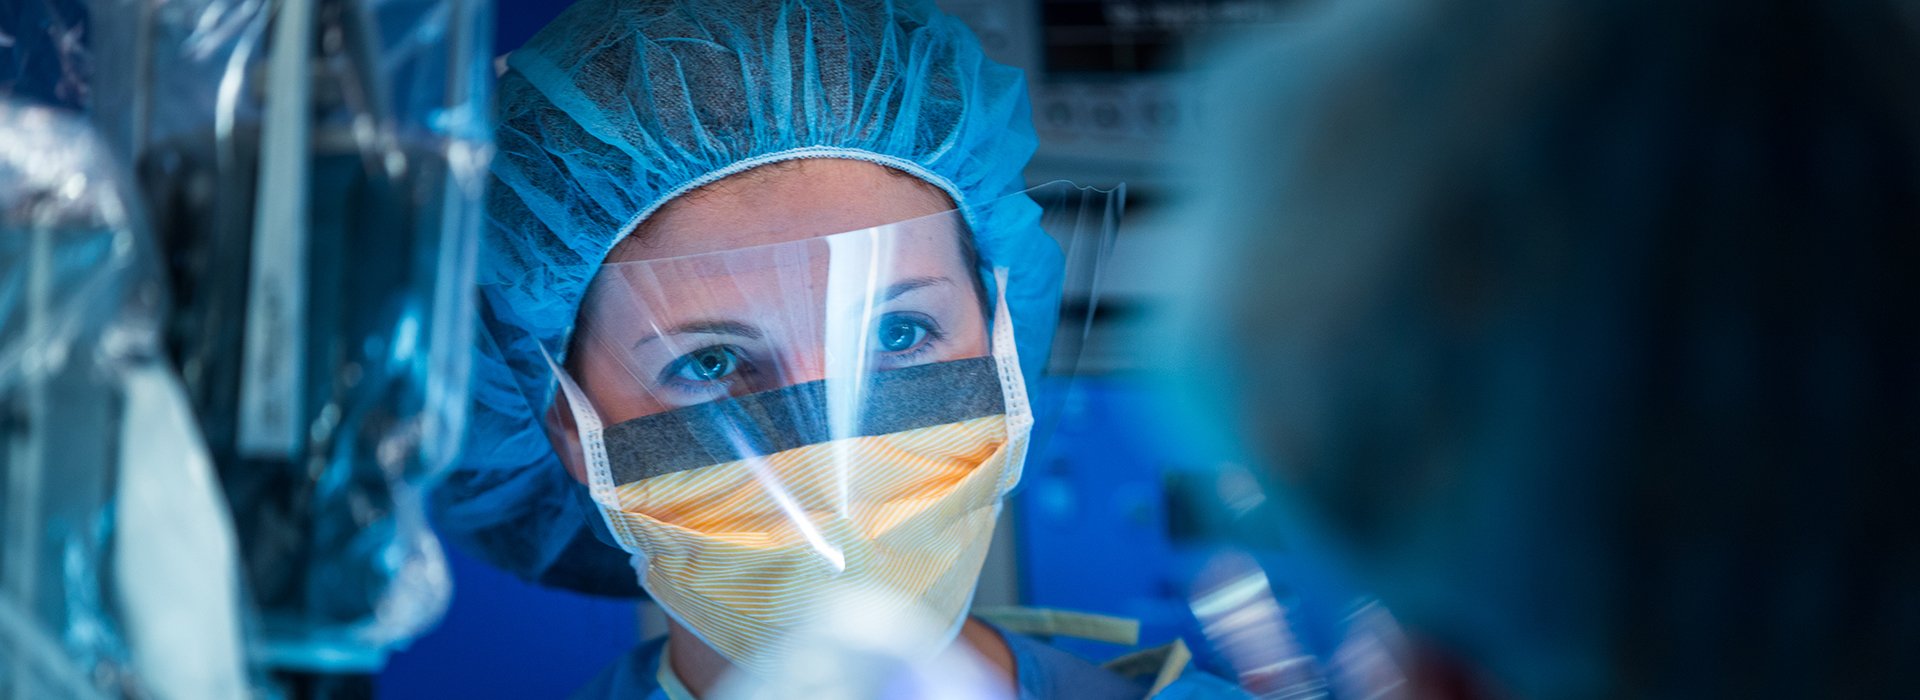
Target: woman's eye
[
  {"x": 902, "y": 333},
  {"x": 707, "y": 364}
]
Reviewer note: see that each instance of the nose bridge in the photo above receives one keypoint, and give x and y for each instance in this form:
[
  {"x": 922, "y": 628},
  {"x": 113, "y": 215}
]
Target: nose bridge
[
  {"x": 802, "y": 363},
  {"x": 804, "y": 357},
  {"x": 843, "y": 353},
  {"x": 836, "y": 342}
]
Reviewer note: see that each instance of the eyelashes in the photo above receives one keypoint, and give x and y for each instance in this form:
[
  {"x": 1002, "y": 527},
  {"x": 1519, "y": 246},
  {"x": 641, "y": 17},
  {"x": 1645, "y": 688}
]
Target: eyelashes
[
  {"x": 903, "y": 336},
  {"x": 709, "y": 364}
]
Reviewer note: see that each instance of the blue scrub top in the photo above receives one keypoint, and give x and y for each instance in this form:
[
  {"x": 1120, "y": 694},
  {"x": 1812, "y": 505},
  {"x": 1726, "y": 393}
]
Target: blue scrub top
[{"x": 1043, "y": 673}]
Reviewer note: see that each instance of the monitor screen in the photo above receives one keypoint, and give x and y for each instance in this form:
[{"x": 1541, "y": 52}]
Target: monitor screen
[{"x": 1121, "y": 37}]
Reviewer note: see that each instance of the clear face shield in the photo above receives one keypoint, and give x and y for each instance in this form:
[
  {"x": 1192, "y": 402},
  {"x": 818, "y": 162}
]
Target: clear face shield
[{"x": 771, "y": 427}]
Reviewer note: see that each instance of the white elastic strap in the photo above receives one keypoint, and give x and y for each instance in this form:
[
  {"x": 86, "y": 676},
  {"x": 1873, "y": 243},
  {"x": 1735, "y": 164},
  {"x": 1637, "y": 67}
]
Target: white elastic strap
[
  {"x": 593, "y": 448},
  {"x": 1013, "y": 386}
]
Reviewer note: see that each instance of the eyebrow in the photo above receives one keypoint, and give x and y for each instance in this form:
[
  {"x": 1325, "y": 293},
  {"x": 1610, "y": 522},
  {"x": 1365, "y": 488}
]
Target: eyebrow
[
  {"x": 907, "y": 285},
  {"x": 705, "y": 327},
  {"x": 723, "y": 327}
]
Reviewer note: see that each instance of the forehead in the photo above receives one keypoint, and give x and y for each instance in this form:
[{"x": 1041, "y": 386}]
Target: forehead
[
  {"x": 786, "y": 274},
  {"x": 780, "y": 203}
]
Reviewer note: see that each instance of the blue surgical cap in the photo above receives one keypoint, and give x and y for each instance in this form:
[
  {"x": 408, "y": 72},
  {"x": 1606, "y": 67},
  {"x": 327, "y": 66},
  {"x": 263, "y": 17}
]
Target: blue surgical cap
[{"x": 618, "y": 107}]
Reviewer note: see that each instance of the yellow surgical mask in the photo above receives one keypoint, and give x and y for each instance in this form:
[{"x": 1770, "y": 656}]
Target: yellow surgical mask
[{"x": 720, "y": 554}]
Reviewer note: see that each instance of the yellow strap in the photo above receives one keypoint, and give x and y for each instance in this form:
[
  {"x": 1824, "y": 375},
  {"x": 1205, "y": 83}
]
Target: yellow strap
[
  {"x": 1050, "y": 622},
  {"x": 1165, "y": 662},
  {"x": 1139, "y": 663},
  {"x": 1177, "y": 659}
]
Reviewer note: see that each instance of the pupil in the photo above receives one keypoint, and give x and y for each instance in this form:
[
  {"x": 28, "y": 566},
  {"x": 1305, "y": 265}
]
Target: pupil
[
  {"x": 899, "y": 336},
  {"x": 712, "y": 364}
]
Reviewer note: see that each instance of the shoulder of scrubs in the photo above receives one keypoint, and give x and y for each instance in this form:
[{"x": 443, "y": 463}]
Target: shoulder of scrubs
[
  {"x": 1045, "y": 673},
  {"x": 1195, "y": 684},
  {"x": 634, "y": 676}
]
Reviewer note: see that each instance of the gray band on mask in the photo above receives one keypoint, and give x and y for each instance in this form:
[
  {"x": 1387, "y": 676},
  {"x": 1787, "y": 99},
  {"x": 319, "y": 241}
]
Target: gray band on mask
[{"x": 757, "y": 425}]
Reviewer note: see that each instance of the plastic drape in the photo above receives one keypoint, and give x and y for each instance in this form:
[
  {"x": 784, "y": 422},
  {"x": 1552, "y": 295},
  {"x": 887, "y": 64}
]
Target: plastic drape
[
  {"x": 313, "y": 169},
  {"x": 117, "y": 573},
  {"x": 44, "y": 54}
]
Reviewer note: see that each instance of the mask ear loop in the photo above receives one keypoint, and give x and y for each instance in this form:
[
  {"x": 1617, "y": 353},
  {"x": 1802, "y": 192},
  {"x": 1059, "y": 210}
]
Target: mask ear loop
[
  {"x": 1013, "y": 385},
  {"x": 1019, "y": 415},
  {"x": 593, "y": 446}
]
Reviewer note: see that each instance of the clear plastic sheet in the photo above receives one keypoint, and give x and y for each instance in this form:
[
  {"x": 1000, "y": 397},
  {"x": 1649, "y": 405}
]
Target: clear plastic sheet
[
  {"x": 44, "y": 53},
  {"x": 79, "y": 312},
  {"x": 313, "y": 169}
]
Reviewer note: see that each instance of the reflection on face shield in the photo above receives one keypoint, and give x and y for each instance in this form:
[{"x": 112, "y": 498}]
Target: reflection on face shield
[
  {"x": 663, "y": 334},
  {"x": 765, "y": 427}
]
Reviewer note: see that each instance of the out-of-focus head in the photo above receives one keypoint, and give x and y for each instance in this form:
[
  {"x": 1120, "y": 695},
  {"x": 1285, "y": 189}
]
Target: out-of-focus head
[
  {"x": 618, "y": 110},
  {"x": 1588, "y": 328}
]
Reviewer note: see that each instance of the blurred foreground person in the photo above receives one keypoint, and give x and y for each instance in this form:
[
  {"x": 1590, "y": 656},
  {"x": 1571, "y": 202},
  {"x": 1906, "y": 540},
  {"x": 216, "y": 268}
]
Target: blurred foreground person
[{"x": 1588, "y": 331}]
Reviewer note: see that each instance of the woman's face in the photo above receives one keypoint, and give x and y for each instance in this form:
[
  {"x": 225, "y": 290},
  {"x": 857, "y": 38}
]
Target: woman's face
[{"x": 660, "y": 330}]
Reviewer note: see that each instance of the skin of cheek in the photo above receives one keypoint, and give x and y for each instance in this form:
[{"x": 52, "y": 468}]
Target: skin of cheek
[{"x": 565, "y": 438}]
